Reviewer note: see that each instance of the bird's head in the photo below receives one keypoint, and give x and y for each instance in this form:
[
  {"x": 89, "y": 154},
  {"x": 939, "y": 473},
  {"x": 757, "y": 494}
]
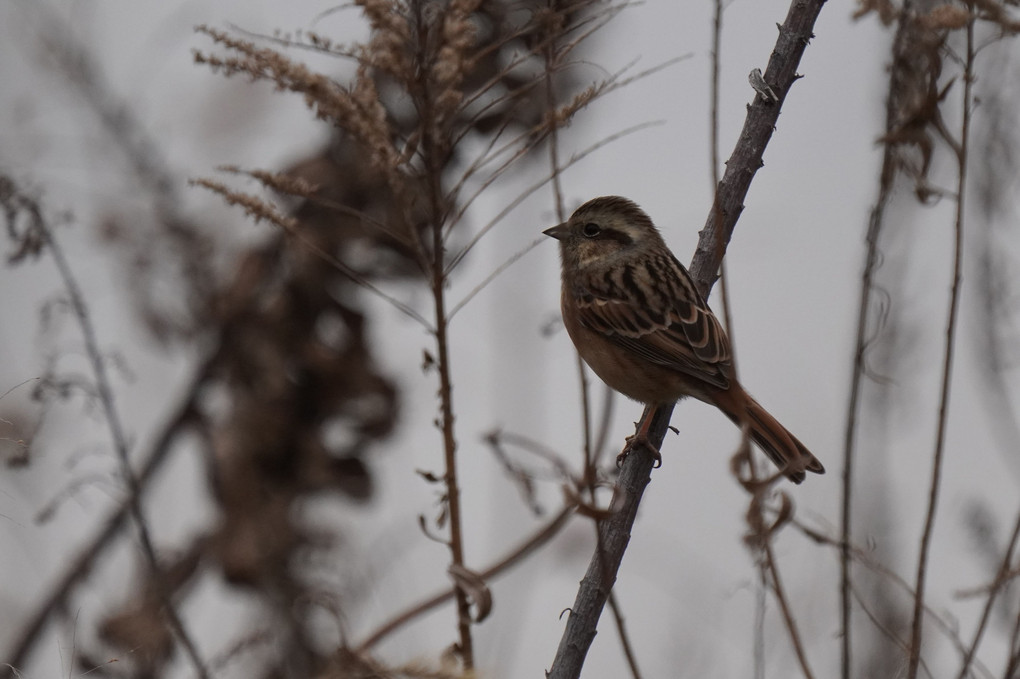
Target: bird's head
[{"x": 602, "y": 231}]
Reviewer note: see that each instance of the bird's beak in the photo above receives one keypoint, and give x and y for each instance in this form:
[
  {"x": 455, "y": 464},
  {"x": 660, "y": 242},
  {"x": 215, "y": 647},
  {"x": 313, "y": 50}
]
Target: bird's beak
[{"x": 559, "y": 232}]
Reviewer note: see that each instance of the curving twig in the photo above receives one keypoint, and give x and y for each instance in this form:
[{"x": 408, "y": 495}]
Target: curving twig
[{"x": 541, "y": 536}]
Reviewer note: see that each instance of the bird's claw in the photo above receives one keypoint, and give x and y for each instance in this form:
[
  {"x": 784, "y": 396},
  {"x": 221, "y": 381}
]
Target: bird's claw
[{"x": 639, "y": 440}]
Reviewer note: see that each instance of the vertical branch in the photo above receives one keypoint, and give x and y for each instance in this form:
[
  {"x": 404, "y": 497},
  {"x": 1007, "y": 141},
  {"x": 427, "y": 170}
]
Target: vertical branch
[
  {"x": 744, "y": 162},
  {"x": 947, "y": 366},
  {"x": 450, "y": 448},
  {"x": 746, "y": 159},
  {"x": 119, "y": 439},
  {"x": 434, "y": 157},
  {"x": 876, "y": 221},
  {"x": 598, "y": 581}
]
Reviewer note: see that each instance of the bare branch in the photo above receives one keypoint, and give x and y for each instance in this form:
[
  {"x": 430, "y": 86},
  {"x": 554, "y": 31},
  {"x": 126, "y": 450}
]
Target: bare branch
[
  {"x": 947, "y": 366},
  {"x": 104, "y": 390},
  {"x": 635, "y": 475}
]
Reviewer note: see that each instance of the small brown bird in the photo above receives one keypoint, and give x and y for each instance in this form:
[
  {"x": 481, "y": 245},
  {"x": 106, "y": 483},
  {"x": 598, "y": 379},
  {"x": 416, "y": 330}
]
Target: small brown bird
[{"x": 638, "y": 321}]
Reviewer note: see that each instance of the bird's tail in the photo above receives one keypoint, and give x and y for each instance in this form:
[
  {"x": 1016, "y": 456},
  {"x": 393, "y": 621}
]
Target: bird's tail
[{"x": 782, "y": 447}]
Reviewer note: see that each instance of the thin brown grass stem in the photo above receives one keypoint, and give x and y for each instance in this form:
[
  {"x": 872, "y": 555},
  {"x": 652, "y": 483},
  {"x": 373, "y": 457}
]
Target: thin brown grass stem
[
  {"x": 538, "y": 132},
  {"x": 434, "y": 160},
  {"x": 760, "y": 600},
  {"x": 503, "y": 564},
  {"x": 876, "y": 222},
  {"x": 770, "y": 565},
  {"x": 574, "y": 159},
  {"x": 450, "y": 458},
  {"x": 784, "y": 607},
  {"x": 18, "y": 653},
  {"x": 917, "y": 626},
  {"x": 863, "y": 557},
  {"x": 118, "y": 437},
  {"x": 258, "y": 209},
  {"x": 1001, "y": 579},
  {"x": 716, "y": 51},
  {"x": 1013, "y": 660},
  {"x": 885, "y": 630},
  {"x": 621, "y": 628},
  {"x": 493, "y": 275},
  {"x": 551, "y": 57},
  {"x": 604, "y": 418}
]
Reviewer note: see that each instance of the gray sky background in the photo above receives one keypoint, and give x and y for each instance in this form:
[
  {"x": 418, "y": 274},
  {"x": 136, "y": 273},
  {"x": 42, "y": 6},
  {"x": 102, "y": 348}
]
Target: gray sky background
[{"x": 687, "y": 583}]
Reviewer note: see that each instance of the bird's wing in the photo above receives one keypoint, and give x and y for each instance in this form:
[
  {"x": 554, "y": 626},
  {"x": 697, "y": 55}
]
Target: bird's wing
[{"x": 653, "y": 309}]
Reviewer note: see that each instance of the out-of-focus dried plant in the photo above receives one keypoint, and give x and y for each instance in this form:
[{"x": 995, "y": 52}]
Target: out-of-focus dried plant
[
  {"x": 396, "y": 178},
  {"x": 939, "y": 64},
  {"x": 288, "y": 400}
]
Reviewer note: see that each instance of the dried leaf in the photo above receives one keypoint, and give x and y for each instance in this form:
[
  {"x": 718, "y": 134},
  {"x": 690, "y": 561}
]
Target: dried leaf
[{"x": 472, "y": 584}]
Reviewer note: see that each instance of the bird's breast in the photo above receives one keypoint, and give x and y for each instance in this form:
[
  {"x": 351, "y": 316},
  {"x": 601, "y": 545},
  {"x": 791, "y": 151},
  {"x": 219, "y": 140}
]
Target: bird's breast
[{"x": 624, "y": 371}]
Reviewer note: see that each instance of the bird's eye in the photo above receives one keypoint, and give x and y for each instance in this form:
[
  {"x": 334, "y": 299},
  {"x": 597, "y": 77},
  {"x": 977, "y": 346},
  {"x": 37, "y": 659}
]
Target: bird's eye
[{"x": 590, "y": 230}]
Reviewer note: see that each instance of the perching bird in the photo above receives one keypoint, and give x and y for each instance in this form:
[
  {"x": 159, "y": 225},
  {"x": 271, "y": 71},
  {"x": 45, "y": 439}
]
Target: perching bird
[{"x": 638, "y": 321}]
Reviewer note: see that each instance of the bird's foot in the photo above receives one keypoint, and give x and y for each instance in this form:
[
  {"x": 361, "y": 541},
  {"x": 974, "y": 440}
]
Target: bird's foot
[{"x": 639, "y": 440}]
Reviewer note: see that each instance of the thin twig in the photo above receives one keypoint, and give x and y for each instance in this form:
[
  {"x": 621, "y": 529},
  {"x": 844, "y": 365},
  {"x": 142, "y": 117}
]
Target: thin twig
[
  {"x": 761, "y": 585},
  {"x": 947, "y": 367},
  {"x": 604, "y": 418},
  {"x": 1013, "y": 657},
  {"x": 575, "y": 158},
  {"x": 177, "y": 425},
  {"x": 876, "y": 222},
  {"x": 511, "y": 260},
  {"x": 434, "y": 161},
  {"x": 512, "y": 558},
  {"x": 1001, "y": 578},
  {"x": 259, "y": 209},
  {"x": 861, "y": 556},
  {"x": 551, "y": 57},
  {"x": 784, "y": 607},
  {"x": 621, "y": 627},
  {"x": 104, "y": 391},
  {"x": 884, "y": 629}
]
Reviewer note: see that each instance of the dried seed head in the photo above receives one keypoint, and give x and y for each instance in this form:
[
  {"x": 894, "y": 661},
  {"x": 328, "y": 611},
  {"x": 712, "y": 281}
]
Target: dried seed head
[{"x": 945, "y": 17}]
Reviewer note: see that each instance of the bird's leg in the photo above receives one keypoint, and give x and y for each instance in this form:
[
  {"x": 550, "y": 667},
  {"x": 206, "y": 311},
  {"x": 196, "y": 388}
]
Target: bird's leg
[{"x": 640, "y": 438}]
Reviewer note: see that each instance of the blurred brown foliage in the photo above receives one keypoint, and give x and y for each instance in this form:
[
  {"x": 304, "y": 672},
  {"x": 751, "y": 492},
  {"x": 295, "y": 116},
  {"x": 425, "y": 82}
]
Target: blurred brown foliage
[{"x": 290, "y": 400}]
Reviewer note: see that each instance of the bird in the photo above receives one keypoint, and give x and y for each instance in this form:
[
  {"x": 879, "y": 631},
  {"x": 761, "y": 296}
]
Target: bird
[{"x": 637, "y": 319}]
